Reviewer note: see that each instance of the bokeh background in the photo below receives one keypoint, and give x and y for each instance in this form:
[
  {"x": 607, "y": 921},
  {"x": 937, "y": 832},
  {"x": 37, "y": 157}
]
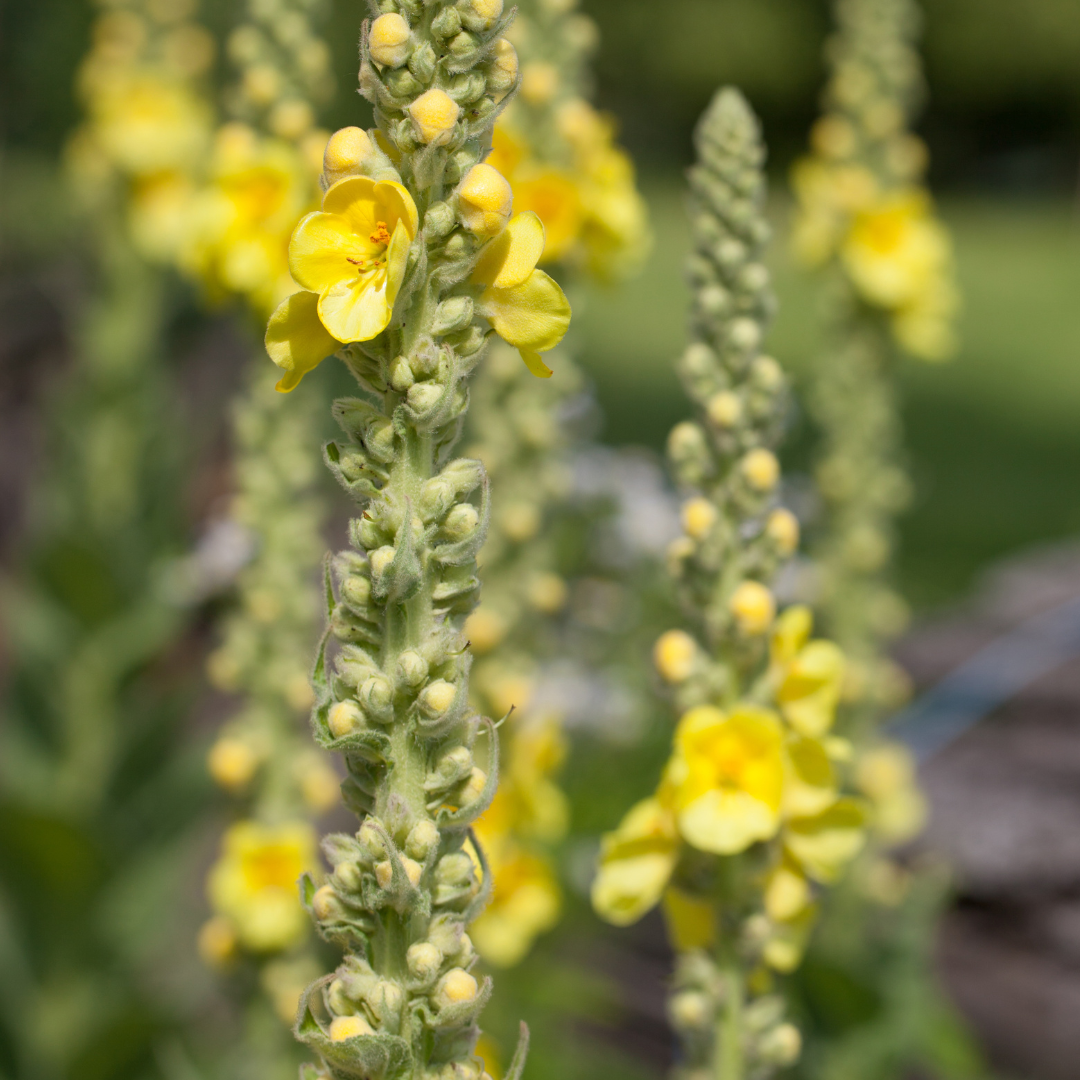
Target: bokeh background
[{"x": 993, "y": 442}]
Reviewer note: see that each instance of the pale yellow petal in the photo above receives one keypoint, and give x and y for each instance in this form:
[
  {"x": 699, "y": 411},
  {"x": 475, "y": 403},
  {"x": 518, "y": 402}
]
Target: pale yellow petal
[
  {"x": 625, "y": 889},
  {"x": 725, "y": 821},
  {"x": 397, "y": 257},
  {"x": 535, "y": 364},
  {"x": 357, "y": 310},
  {"x": 296, "y": 340},
  {"x": 399, "y": 205},
  {"x": 324, "y": 251},
  {"x": 512, "y": 256},
  {"x": 532, "y": 316},
  {"x": 364, "y": 203},
  {"x": 824, "y": 844}
]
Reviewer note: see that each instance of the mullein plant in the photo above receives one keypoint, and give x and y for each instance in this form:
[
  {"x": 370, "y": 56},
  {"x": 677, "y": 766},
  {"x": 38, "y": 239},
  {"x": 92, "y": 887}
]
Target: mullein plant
[
  {"x": 412, "y": 263},
  {"x": 752, "y": 816},
  {"x": 263, "y": 173},
  {"x": 558, "y": 154},
  {"x": 865, "y": 219},
  {"x": 94, "y": 764}
]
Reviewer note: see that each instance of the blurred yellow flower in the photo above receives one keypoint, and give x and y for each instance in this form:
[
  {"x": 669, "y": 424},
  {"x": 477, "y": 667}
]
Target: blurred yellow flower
[
  {"x": 809, "y": 674},
  {"x": 241, "y": 220},
  {"x": 825, "y": 843},
  {"x": 727, "y": 776},
  {"x": 885, "y": 774},
  {"x": 636, "y": 863},
  {"x": 254, "y": 883}
]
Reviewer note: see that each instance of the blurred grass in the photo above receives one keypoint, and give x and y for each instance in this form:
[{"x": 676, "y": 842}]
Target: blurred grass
[{"x": 993, "y": 437}]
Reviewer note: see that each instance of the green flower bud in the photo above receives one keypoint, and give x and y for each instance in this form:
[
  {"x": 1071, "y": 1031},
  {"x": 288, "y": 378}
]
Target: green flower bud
[
  {"x": 455, "y": 987},
  {"x": 381, "y": 558},
  {"x": 348, "y": 876},
  {"x": 462, "y": 521},
  {"x": 371, "y": 840},
  {"x": 356, "y": 590},
  {"x": 745, "y": 334},
  {"x": 453, "y": 314},
  {"x": 423, "y": 960},
  {"x": 447, "y": 23},
  {"x": 422, "y": 63},
  {"x": 456, "y": 869},
  {"x": 436, "y": 498},
  {"x": 402, "y": 83},
  {"x": 465, "y": 89},
  {"x": 422, "y": 839},
  {"x": 471, "y": 342},
  {"x": 379, "y": 440},
  {"x": 401, "y": 375},
  {"x": 344, "y": 718},
  {"x": 691, "y": 1009},
  {"x": 424, "y": 396},
  {"x": 439, "y": 221},
  {"x": 479, "y": 14},
  {"x": 386, "y": 999},
  {"x": 412, "y": 669},
  {"x": 465, "y": 474},
  {"x": 377, "y": 698},
  {"x": 437, "y": 697},
  {"x": 464, "y": 47}
]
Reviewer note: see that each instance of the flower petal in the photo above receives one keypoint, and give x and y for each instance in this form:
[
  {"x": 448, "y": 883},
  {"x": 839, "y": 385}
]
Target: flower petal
[
  {"x": 320, "y": 250},
  {"x": 296, "y": 340},
  {"x": 535, "y": 364},
  {"x": 356, "y": 310},
  {"x": 397, "y": 256},
  {"x": 364, "y": 203},
  {"x": 532, "y": 316},
  {"x": 824, "y": 844},
  {"x": 512, "y": 256},
  {"x": 725, "y": 822}
]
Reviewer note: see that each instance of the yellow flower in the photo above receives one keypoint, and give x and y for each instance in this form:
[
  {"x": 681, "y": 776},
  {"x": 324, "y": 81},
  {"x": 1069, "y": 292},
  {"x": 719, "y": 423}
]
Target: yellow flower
[
  {"x": 788, "y": 938},
  {"x": 727, "y": 777},
  {"x": 525, "y": 306},
  {"x": 810, "y": 780},
  {"x": 787, "y": 892},
  {"x": 241, "y": 221},
  {"x": 146, "y": 123},
  {"x": 555, "y": 199},
  {"x": 885, "y": 774},
  {"x": 895, "y": 249},
  {"x": 636, "y": 863},
  {"x": 254, "y": 882},
  {"x": 350, "y": 258},
  {"x": 810, "y": 674},
  {"x": 526, "y": 902},
  {"x": 825, "y": 843}
]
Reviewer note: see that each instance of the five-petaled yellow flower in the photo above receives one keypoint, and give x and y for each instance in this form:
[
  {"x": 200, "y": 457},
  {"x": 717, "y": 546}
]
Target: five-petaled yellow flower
[
  {"x": 727, "y": 777},
  {"x": 350, "y": 260}
]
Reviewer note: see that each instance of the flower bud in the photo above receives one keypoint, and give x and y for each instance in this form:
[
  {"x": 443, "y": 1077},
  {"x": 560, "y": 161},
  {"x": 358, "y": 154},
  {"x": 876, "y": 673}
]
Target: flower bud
[
  {"x": 381, "y": 558},
  {"x": 437, "y": 697},
  {"x": 402, "y": 83},
  {"x": 401, "y": 374},
  {"x": 467, "y": 88},
  {"x": 348, "y": 876},
  {"x": 503, "y": 71},
  {"x": 474, "y": 788},
  {"x": 372, "y": 839},
  {"x": 453, "y": 314},
  {"x": 385, "y": 999},
  {"x": 422, "y": 838},
  {"x": 348, "y": 1027},
  {"x": 463, "y": 47},
  {"x": 761, "y": 469},
  {"x": 690, "y": 1009},
  {"x": 485, "y": 201},
  {"x": 232, "y": 763},
  {"x": 423, "y": 960},
  {"x": 447, "y": 23},
  {"x": 412, "y": 669},
  {"x": 462, "y": 521},
  {"x": 388, "y": 41},
  {"x": 782, "y": 528},
  {"x": 753, "y": 606},
  {"x": 674, "y": 654},
  {"x": 377, "y": 698},
  {"x": 688, "y": 448},
  {"x": 384, "y": 872},
  {"x": 455, "y": 869},
  {"x": 356, "y": 590},
  {"x": 434, "y": 114},
  {"x": 745, "y": 334},
  {"x": 424, "y": 396},
  {"x": 466, "y": 474},
  {"x": 439, "y": 220},
  {"x": 767, "y": 373},
  {"x": 479, "y": 14},
  {"x": 436, "y": 498},
  {"x": 422, "y": 62},
  {"x": 325, "y": 904},
  {"x": 454, "y": 988},
  {"x": 344, "y": 718},
  {"x": 698, "y": 517},
  {"x": 781, "y": 1046},
  {"x": 724, "y": 409}
]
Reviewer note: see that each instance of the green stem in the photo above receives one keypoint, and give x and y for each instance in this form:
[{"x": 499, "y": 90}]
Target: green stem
[{"x": 728, "y": 1055}]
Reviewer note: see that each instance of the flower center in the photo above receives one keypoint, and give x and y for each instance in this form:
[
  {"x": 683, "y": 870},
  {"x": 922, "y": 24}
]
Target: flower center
[{"x": 381, "y": 235}]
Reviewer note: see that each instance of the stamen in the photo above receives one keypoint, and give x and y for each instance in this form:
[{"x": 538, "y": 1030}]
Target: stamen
[{"x": 381, "y": 235}]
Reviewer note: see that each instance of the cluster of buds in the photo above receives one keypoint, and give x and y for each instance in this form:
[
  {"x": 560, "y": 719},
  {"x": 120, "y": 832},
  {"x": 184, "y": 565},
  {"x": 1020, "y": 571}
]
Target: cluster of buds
[
  {"x": 412, "y": 264},
  {"x": 284, "y": 67},
  {"x": 752, "y": 816}
]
